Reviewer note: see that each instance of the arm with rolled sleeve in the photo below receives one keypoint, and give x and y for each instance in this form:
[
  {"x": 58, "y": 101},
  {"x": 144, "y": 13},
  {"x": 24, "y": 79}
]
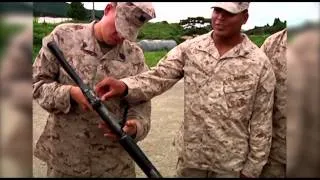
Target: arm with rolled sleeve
[
  {"x": 50, "y": 94},
  {"x": 154, "y": 82},
  {"x": 141, "y": 111},
  {"x": 261, "y": 124}
]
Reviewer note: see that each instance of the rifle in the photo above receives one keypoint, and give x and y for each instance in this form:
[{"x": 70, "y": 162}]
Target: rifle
[{"x": 125, "y": 140}]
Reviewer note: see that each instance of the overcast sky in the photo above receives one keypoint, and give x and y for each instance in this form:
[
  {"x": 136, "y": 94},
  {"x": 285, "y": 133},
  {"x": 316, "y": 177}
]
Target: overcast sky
[{"x": 261, "y": 13}]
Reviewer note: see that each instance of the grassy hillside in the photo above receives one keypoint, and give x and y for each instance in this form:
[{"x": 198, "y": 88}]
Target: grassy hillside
[
  {"x": 159, "y": 30},
  {"x": 258, "y": 39},
  {"x": 152, "y": 58},
  {"x": 57, "y": 9},
  {"x": 40, "y": 30}
]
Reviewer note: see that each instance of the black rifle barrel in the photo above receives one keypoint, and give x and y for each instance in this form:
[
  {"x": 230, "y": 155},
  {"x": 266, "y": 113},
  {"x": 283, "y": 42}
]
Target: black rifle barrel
[{"x": 125, "y": 140}]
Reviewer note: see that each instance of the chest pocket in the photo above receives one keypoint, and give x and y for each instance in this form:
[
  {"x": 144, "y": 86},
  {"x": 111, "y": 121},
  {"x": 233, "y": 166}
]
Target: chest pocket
[{"x": 238, "y": 90}]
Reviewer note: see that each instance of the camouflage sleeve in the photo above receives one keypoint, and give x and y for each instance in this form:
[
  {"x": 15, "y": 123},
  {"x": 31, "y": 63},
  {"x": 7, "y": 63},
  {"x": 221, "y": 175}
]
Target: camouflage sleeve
[
  {"x": 266, "y": 47},
  {"x": 263, "y": 47},
  {"x": 142, "y": 113},
  {"x": 47, "y": 91},
  {"x": 154, "y": 82},
  {"x": 261, "y": 124},
  {"x": 17, "y": 79}
]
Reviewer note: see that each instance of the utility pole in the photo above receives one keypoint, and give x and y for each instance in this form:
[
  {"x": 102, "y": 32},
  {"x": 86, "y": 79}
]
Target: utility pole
[{"x": 93, "y": 12}]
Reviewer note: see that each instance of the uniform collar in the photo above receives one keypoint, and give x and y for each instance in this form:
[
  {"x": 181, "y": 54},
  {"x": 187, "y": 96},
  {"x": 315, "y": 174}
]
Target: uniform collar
[
  {"x": 91, "y": 43},
  {"x": 240, "y": 50}
]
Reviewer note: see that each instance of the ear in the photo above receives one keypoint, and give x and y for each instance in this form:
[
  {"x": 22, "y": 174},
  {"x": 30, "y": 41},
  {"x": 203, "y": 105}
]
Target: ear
[
  {"x": 107, "y": 9},
  {"x": 245, "y": 17}
]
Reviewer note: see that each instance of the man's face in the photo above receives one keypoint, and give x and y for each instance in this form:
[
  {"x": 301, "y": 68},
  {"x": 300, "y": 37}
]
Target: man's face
[
  {"x": 226, "y": 24},
  {"x": 109, "y": 33}
]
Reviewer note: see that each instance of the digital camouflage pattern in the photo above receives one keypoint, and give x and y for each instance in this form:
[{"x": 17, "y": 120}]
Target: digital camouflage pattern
[
  {"x": 232, "y": 7},
  {"x": 15, "y": 74},
  {"x": 16, "y": 98},
  {"x": 71, "y": 142},
  {"x": 132, "y": 16},
  {"x": 275, "y": 47},
  {"x": 303, "y": 140},
  {"x": 227, "y": 124}
]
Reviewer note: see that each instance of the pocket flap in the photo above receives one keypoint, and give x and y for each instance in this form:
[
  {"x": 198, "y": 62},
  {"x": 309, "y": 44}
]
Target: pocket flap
[{"x": 238, "y": 83}]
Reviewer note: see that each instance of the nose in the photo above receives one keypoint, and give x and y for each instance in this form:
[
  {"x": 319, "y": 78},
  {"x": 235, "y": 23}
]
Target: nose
[{"x": 219, "y": 16}]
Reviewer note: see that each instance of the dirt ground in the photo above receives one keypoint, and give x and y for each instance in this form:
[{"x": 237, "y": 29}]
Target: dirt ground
[{"x": 167, "y": 112}]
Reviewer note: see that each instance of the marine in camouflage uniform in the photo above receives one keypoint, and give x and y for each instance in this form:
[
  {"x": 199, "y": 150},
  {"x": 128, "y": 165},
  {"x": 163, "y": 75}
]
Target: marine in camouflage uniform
[
  {"x": 275, "y": 47},
  {"x": 71, "y": 143},
  {"x": 227, "y": 125},
  {"x": 303, "y": 140},
  {"x": 16, "y": 80}
]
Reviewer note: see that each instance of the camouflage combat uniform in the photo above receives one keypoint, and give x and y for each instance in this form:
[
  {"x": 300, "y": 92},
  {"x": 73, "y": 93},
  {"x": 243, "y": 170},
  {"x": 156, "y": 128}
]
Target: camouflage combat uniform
[
  {"x": 303, "y": 140},
  {"x": 275, "y": 48},
  {"x": 227, "y": 124},
  {"x": 16, "y": 79},
  {"x": 16, "y": 72},
  {"x": 72, "y": 144}
]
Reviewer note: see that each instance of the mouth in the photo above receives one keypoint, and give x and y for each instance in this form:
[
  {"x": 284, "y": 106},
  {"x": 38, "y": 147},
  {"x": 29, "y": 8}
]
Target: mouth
[
  {"x": 218, "y": 29},
  {"x": 219, "y": 26}
]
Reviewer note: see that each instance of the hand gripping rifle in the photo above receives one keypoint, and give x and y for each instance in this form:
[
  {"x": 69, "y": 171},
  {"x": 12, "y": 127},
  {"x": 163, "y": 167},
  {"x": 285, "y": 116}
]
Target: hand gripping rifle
[{"x": 125, "y": 140}]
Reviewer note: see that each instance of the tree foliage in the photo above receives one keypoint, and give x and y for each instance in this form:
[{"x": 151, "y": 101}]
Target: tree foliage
[
  {"x": 77, "y": 11},
  {"x": 200, "y": 25},
  {"x": 195, "y": 25},
  {"x": 277, "y": 25}
]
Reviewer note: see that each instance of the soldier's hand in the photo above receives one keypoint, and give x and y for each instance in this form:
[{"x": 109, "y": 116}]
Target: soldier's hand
[
  {"x": 77, "y": 95},
  {"x": 129, "y": 128},
  {"x": 110, "y": 87}
]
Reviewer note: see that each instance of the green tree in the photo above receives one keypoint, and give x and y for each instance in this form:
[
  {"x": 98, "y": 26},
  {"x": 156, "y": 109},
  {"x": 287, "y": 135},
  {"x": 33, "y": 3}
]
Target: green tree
[
  {"x": 190, "y": 25},
  {"x": 77, "y": 11}
]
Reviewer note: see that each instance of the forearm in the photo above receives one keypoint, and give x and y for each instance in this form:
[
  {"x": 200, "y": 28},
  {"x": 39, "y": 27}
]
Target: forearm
[
  {"x": 52, "y": 96},
  {"x": 142, "y": 113},
  {"x": 48, "y": 91},
  {"x": 259, "y": 145},
  {"x": 149, "y": 84},
  {"x": 146, "y": 86}
]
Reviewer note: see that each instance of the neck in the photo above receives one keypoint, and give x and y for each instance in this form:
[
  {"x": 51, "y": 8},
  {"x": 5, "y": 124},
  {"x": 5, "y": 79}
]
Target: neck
[
  {"x": 227, "y": 41},
  {"x": 97, "y": 31}
]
